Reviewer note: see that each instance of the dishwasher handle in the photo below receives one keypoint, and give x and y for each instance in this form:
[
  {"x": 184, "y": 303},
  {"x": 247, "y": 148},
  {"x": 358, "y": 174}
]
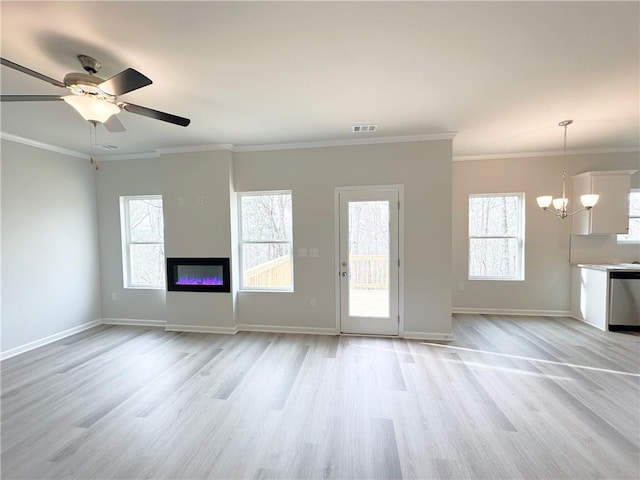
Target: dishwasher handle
[{"x": 625, "y": 275}]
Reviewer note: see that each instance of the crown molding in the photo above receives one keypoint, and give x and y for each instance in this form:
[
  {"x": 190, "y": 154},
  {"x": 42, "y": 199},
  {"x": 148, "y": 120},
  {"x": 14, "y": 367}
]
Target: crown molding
[
  {"x": 348, "y": 142},
  {"x": 44, "y": 146},
  {"x": 307, "y": 145},
  {"x": 197, "y": 148},
  {"x": 555, "y": 153},
  {"x": 302, "y": 145},
  {"x": 283, "y": 146},
  {"x": 126, "y": 156}
]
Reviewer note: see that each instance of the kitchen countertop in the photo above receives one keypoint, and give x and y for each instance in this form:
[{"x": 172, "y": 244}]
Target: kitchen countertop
[{"x": 608, "y": 267}]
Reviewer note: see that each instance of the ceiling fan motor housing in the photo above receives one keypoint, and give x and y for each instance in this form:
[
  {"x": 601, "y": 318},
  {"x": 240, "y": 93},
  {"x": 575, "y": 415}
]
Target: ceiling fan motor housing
[{"x": 86, "y": 84}]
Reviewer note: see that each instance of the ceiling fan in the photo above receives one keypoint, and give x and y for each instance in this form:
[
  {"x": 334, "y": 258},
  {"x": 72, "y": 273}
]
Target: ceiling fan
[{"x": 94, "y": 98}]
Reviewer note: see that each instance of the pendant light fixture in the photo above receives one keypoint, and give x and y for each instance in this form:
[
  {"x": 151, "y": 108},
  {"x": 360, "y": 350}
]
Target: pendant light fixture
[{"x": 561, "y": 204}]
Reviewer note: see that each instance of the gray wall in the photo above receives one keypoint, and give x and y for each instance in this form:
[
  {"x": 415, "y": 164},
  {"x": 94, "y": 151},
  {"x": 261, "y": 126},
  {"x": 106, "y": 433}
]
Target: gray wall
[
  {"x": 50, "y": 261},
  {"x": 198, "y": 229},
  {"x": 52, "y": 268},
  {"x": 116, "y": 179},
  {"x": 546, "y": 287},
  {"x": 312, "y": 174},
  {"x": 424, "y": 168}
]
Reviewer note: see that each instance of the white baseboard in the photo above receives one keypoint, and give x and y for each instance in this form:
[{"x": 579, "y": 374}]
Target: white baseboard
[
  {"x": 604, "y": 328},
  {"x": 137, "y": 322},
  {"x": 243, "y": 327},
  {"x": 203, "y": 329},
  {"x": 437, "y": 337},
  {"x": 50, "y": 339},
  {"x": 506, "y": 311},
  {"x": 177, "y": 327}
]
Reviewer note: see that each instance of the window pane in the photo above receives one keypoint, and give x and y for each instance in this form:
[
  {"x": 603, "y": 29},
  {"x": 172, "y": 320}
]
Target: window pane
[
  {"x": 369, "y": 285},
  {"x": 266, "y": 217},
  {"x": 634, "y": 232},
  {"x": 147, "y": 265},
  {"x": 634, "y": 229},
  {"x": 634, "y": 204},
  {"x": 145, "y": 220},
  {"x": 266, "y": 265},
  {"x": 634, "y": 219},
  {"x": 493, "y": 216},
  {"x": 493, "y": 257}
]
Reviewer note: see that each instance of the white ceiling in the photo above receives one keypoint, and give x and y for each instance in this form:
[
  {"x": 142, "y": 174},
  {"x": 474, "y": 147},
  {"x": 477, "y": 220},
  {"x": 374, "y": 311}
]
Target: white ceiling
[{"x": 501, "y": 74}]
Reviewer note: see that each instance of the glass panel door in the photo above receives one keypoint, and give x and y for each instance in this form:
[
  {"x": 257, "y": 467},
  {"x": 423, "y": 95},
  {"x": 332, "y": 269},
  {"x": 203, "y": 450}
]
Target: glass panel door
[
  {"x": 369, "y": 258},
  {"x": 368, "y": 254}
]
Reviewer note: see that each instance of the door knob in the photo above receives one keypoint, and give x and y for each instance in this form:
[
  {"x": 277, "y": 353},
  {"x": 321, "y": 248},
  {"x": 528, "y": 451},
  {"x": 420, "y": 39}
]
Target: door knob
[{"x": 344, "y": 274}]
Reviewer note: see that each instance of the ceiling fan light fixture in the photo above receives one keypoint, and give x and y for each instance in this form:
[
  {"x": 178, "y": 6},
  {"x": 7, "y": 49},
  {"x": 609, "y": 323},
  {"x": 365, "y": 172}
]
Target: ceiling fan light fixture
[{"x": 92, "y": 109}]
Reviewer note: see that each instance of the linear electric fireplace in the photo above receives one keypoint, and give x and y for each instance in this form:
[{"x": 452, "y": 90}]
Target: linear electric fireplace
[{"x": 198, "y": 275}]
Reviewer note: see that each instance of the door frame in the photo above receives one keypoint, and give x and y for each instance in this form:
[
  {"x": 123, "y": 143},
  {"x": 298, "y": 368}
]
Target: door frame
[{"x": 336, "y": 264}]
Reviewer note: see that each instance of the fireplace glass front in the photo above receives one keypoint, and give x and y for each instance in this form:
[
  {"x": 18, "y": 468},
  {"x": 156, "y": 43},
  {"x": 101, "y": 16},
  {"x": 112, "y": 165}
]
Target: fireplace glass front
[{"x": 198, "y": 274}]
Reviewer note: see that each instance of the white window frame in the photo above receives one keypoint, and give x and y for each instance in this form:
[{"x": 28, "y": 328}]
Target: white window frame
[
  {"x": 242, "y": 242},
  {"x": 622, "y": 238},
  {"x": 126, "y": 242},
  {"x": 519, "y": 276}
]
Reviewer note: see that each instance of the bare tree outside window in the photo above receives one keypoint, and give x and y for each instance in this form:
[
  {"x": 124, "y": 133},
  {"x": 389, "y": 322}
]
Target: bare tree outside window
[
  {"x": 496, "y": 236},
  {"x": 369, "y": 260},
  {"x": 266, "y": 240},
  {"x": 143, "y": 241}
]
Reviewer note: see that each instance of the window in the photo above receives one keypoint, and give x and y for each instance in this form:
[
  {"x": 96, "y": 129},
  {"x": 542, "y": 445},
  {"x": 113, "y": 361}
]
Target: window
[
  {"x": 634, "y": 219},
  {"x": 142, "y": 241},
  {"x": 496, "y": 236},
  {"x": 266, "y": 241}
]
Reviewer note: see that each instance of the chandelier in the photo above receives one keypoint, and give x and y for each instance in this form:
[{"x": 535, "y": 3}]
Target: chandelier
[{"x": 560, "y": 204}]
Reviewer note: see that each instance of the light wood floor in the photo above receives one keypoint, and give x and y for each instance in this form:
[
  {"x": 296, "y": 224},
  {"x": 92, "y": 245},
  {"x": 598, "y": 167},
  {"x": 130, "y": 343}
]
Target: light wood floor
[{"x": 510, "y": 398}]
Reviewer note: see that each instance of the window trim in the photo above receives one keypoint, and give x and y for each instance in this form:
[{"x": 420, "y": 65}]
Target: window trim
[
  {"x": 126, "y": 242},
  {"x": 242, "y": 242},
  {"x": 633, "y": 241},
  {"x": 520, "y": 239}
]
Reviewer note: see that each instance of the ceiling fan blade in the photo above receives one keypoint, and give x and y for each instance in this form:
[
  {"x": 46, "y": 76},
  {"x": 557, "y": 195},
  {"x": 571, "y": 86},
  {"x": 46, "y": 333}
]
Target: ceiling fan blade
[
  {"x": 124, "y": 82},
  {"x": 29, "y": 98},
  {"x": 148, "y": 112},
  {"x": 114, "y": 125},
  {"x": 20, "y": 68}
]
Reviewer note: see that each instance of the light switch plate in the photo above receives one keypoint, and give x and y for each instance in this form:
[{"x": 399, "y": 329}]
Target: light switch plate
[
  {"x": 302, "y": 252},
  {"x": 314, "y": 252}
]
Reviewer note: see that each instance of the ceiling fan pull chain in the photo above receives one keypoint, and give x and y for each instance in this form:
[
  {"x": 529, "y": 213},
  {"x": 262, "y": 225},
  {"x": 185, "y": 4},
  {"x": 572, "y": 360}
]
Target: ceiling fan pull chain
[{"x": 93, "y": 140}]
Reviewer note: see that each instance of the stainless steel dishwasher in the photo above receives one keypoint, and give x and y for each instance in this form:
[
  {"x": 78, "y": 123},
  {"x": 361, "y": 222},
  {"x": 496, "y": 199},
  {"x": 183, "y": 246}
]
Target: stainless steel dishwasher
[{"x": 624, "y": 302}]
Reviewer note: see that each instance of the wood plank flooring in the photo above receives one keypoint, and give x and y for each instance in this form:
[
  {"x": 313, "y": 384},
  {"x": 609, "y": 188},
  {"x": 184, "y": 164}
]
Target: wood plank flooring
[{"x": 510, "y": 398}]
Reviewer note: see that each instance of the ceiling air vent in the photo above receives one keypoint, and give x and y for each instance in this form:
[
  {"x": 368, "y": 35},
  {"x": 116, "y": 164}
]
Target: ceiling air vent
[
  {"x": 106, "y": 146},
  {"x": 363, "y": 128}
]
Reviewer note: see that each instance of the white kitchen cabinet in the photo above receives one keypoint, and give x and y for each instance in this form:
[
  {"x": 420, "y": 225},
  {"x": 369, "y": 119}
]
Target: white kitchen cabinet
[
  {"x": 611, "y": 214},
  {"x": 589, "y": 294}
]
